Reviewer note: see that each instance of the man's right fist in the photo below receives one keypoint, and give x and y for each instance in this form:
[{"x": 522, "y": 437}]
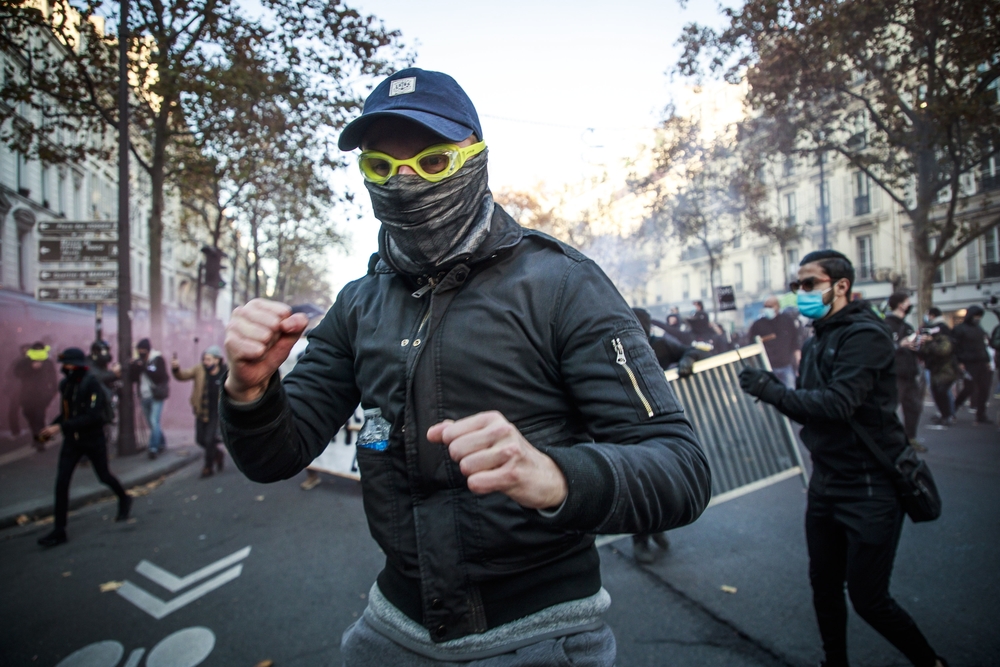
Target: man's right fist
[{"x": 259, "y": 337}]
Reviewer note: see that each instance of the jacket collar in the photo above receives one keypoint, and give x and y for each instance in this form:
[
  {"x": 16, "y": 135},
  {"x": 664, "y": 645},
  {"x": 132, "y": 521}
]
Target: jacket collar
[{"x": 855, "y": 311}]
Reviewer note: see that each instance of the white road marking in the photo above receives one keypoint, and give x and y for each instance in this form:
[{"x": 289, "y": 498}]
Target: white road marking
[
  {"x": 134, "y": 657},
  {"x": 185, "y": 648},
  {"x": 173, "y": 583},
  {"x": 98, "y": 654},
  {"x": 157, "y": 608}
]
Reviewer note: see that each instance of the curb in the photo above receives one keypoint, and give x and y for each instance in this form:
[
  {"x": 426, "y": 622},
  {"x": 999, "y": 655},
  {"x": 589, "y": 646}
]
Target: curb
[{"x": 9, "y": 519}]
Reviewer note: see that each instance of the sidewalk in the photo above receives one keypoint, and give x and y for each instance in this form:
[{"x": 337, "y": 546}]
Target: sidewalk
[{"x": 27, "y": 477}]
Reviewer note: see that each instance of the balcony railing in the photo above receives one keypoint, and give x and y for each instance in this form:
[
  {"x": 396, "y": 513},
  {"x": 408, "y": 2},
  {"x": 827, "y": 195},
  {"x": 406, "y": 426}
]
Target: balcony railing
[{"x": 862, "y": 205}]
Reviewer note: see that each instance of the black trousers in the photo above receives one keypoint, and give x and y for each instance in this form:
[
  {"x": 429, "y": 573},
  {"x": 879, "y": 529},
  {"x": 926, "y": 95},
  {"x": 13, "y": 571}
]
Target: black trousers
[
  {"x": 854, "y": 540},
  {"x": 942, "y": 398},
  {"x": 978, "y": 389},
  {"x": 911, "y": 399},
  {"x": 34, "y": 414},
  {"x": 207, "y": 435},
  {"x": 69, "y": 456}
]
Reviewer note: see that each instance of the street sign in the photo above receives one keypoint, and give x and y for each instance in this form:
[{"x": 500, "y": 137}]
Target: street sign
[
  {"x": 76, "y": 250},
  {"x": 81, "y": 275},
  {"x": 726, "y": 297},
  {"x": 64, "y": 228},
  {"x": 78, "y": 294}
]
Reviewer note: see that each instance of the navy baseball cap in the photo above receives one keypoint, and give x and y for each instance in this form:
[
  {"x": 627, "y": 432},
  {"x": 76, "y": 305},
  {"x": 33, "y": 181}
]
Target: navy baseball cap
[{"x": 432, "y": 99}]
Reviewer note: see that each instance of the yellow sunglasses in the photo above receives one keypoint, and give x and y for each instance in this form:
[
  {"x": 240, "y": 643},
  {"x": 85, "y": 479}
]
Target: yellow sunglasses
[{"x": 433, "y": 164}]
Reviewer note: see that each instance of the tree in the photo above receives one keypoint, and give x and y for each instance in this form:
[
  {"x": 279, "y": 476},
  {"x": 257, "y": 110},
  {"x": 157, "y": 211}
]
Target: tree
[
  {"x": 314, "y": 52},
  {"x": 699, "y": 191},
  {"x": 904, "y": 90},
  {"x": 531, "y": 209}
]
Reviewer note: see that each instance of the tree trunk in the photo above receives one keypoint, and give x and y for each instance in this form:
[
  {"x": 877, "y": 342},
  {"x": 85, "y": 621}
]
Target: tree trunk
[{"x": 157, "y": 180}]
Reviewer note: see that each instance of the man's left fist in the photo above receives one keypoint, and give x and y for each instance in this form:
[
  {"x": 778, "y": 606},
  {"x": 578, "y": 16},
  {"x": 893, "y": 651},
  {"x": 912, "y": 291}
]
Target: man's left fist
[{"x": 762, "y": 384}]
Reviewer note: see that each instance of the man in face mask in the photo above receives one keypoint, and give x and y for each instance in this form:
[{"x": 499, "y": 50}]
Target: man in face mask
[
  {"x": 780, "y": 337},
  {"x": 81, "y": 421},
  {"x": 207, "y": 377},
  {"x": 513, "y": 406},
  {"x": 854, "y": 517}
]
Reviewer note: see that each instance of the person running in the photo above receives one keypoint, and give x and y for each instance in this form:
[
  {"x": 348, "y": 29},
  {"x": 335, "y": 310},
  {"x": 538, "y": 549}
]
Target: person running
[
  {"x": 81, "y": 420},
  {"x": 513, "y": 406},
  {"x": 207, "y": 377}
]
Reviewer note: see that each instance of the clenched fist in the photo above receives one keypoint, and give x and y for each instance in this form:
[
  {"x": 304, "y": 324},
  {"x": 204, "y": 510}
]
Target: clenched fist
[
  {"x": 259, "y": 337},
  {"x": 494, "y": 456}
]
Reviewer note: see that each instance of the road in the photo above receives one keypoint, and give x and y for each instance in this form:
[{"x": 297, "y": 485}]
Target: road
[{"x": 311, "y": 562}]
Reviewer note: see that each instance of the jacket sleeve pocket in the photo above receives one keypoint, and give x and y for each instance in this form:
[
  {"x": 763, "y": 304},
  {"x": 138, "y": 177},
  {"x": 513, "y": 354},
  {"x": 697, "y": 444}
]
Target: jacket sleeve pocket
[{"x": 639, "y": 373}]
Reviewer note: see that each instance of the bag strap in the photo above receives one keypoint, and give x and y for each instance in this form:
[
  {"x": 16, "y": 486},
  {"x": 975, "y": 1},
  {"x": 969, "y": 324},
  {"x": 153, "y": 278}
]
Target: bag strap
[{"x": 875, "y": 449}]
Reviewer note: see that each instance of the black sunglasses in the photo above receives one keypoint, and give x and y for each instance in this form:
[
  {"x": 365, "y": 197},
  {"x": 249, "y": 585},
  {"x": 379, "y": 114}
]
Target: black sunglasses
[{"x": 806, "y": 284}]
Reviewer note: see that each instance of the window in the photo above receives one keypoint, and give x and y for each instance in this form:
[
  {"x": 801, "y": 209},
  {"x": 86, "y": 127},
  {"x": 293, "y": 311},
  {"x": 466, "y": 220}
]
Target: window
[
  {"x": 790, "y": 209},
  {"x": 862, "y": 199},
  {"x": 77, "y": 195},
  {"x": 703, "y": 279},
  {"x": 972, "y": 260},
  {"x": 685, "y": 287},
  {"x": 788, "y": 168},
  {"x": 61, "y": 192},
  {"x": 765, "y": 272},
  {"x": 45, "y": 185},
  {"x": 23, "y": 248},
  {"x": 989, "y": 172},
  {"x": 21, "y": 174},
  {"x": 866, "y": 258},
  {"x": 991, "y": 267},
  {"x": 823, "y": 202},
  {"x": 738, "y": 277},
  {"x": 792, "y": 255}
]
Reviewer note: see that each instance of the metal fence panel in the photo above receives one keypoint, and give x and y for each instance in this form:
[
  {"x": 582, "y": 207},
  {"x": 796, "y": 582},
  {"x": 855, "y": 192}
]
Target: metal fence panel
[{"x": 748, "y": 443}]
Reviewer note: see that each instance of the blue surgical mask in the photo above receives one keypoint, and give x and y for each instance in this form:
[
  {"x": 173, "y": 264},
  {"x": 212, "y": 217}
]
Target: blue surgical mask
[
  {"x": 811, "y": 304},
  {"x": 770, "y": 313}
]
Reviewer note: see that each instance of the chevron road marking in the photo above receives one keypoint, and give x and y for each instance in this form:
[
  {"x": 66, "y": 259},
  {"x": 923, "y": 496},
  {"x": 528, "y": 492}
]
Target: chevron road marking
[
  {"x": 158, "y": 608},
  {"x": 173, "y": 583}
]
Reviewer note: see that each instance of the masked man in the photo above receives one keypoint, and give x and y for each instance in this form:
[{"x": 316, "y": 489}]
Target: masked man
[
  {"x": 853, "y": 517},
  {"x": 149, "y": 373},
  {"x": 81, "y": 420},
  {"x": 780, "y": 337},
  {"x": 37, "y": 374},
  {"x": 207, "y": 377},
  {"x": 513, "y": 406}
]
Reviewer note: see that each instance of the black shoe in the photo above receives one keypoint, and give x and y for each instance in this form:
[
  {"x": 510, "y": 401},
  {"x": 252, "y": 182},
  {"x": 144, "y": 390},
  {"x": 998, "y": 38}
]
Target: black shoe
[
  {"x": 124, "y": 507},
  {"x": 152, "y": 455},
  {"x": 55, "y": 538},
  {"x": 661, "y": 540},
  {"x": 642, "y": 553}
]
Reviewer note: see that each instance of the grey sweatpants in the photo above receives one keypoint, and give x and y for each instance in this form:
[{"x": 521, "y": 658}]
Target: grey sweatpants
[{"x": 363, "y": 646}]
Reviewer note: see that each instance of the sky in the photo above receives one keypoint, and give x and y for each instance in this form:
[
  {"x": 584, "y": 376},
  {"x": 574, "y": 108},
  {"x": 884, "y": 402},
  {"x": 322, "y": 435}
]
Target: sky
[{"x": 564, "y": 90}]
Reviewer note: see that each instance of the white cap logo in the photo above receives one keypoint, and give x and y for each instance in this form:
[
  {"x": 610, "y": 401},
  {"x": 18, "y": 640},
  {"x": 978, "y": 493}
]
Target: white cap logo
[{"x": 403, "y": 86}]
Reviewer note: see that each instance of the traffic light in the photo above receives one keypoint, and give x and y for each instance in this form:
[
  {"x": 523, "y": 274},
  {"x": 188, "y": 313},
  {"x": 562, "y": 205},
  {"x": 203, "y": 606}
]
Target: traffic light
[{"x": 213, "y": 267}]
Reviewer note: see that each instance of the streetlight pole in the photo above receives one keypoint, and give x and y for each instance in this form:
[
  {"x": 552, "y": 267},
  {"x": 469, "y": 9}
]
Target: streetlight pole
[{"x": 126, "y": 403}]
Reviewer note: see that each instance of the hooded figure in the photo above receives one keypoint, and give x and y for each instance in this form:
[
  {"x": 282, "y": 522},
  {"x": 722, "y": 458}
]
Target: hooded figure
[{"x": 37, "y": 375}]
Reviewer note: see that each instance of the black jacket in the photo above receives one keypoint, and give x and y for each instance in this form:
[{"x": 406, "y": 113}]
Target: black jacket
[
  {"x": 669, "y": 351},
  {"x": 528, "y": 327},
  {"x": 155, "y": 369},
  {"x": 847, "y": 369},
  {"x": 780, "y": 336},
  {"x": 38, "y": 385},
  {"x": 81, "y": 410},
  {"x": 907, "y": 364},
  {"x": 970, "y": 344}
]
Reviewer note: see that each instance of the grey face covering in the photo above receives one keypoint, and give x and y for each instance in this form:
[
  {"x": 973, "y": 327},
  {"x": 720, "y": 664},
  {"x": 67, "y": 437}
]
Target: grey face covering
[{"x": 427, "y": 224}]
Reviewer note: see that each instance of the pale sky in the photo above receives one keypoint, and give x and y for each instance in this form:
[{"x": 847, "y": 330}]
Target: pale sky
[{"x": 563, "y": 89}]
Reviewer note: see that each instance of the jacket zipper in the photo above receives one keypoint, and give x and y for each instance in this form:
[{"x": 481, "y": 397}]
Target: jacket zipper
[{"x": 623, "y": 362}]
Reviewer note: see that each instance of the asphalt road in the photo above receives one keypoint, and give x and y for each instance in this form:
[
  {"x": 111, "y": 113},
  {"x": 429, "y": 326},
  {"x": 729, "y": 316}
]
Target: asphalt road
[{"x": 311, "y": 562}]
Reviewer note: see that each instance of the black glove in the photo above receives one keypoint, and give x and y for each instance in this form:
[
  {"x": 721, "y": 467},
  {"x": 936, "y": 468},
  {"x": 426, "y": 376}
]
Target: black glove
[
  {"x": 763, "y": 384},
  {"x": 685, "y": 367}
]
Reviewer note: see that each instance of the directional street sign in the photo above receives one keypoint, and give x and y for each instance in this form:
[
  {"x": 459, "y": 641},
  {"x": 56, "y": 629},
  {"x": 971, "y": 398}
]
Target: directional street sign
[
  {"x": 76, "y": 250},
  {"x": 78, "y": 294},
  {"x": 64, "y": 228},
  {"x": 81, "y": 275},
  {"x": 157, "y": 608}
]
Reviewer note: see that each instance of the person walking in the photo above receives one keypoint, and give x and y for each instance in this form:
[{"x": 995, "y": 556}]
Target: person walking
[
  {"x": 81, "y": 421},
  {"x": 780, "y": 336},
  {"x": 938, "y": 354},
  {"x": 513, "y": 406},
  {"x": 37, "y": 375},
  {"x": 14, "y": 394},
  {"x": 854, "y": 517},
  {"x": 909, "y": 374},
  {"x": 149, "y": 373},
  {"x": 207, "y": 377},
  {"x": 972, "y": 354}
]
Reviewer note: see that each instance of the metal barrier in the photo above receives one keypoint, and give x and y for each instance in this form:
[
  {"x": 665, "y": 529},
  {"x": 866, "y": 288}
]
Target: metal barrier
[{"x": 748, "y": 443}]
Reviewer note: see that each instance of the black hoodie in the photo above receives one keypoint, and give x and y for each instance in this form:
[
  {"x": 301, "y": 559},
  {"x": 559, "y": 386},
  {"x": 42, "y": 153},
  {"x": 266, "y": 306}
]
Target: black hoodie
[{"x": 848, "y": 369}]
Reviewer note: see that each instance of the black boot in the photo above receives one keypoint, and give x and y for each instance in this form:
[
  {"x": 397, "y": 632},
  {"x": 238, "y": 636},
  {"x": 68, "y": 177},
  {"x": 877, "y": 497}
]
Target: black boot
[
  {"x": 124, "y": 507},
  {"x": 56, "y": 537}
]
